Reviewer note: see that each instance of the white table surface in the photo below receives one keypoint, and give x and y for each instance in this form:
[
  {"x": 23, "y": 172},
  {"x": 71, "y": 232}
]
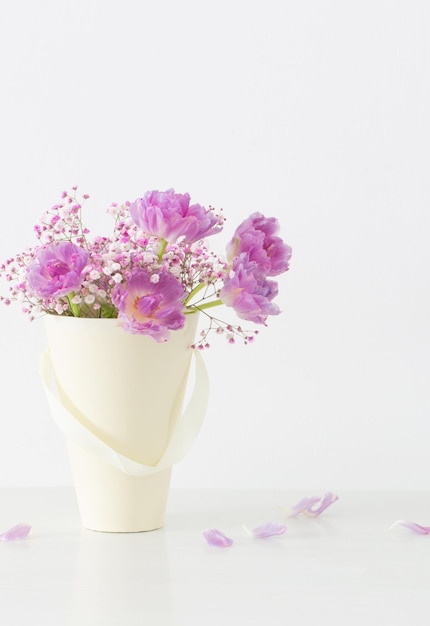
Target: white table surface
[{"x": 346, "y": 567}]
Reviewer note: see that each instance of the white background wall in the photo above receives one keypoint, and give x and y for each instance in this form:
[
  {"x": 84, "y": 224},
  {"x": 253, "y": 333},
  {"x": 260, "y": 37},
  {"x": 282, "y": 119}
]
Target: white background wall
[{"x": 314, "y": 111}]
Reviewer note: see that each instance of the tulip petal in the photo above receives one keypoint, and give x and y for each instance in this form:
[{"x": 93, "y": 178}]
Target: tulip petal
[
  {"x": 326, "y": 501},
  {"x": 217, "y": 538},
  {"x": 267, "y": 530},
  {"x": 313, "y": 506},
  {"x": 303, "y": 505},
  {"x": 416, "y": 528},
  {"x": 21, "y": 531}
]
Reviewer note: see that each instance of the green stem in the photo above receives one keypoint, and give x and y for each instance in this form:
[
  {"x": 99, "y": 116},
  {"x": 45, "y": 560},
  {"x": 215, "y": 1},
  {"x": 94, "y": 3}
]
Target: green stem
[
  {"x": 195, "y": 291},
  {"x": 208, "y": 305},
  {"x": 74, "y": 307},
  {"x": 162, "y": 249}
]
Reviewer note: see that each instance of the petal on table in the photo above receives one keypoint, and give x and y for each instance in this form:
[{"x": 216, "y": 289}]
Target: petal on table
[
  {"x": 416, "y": 528},
  {"x": 217, "y": 538},
  {"x": 303, "y": 505},
  {"x": 21, "y": 531},
  {"x": 326, "y": 501},
  {"x": 267, "y": 530},
  {"x": 314, "y": 505}
]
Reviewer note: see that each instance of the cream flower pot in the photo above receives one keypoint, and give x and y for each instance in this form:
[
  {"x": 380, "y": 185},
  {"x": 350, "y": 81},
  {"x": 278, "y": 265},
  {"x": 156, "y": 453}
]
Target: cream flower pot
[{"x": 118, "y": 399}]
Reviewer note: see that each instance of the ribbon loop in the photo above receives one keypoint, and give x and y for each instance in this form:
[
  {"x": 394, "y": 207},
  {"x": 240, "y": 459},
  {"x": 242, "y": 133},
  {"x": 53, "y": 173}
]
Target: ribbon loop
[{"x": 182, "y": 438}]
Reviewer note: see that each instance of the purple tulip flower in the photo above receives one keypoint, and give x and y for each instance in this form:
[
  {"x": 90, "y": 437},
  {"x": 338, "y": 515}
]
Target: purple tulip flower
[
  {"x": 248, "y": 291},
  {"x": 147, "y": 307},
  {"x": 168, "y": 215},
  {"x": 57, "y": 269},
  {"x": 257, "y": 237}
]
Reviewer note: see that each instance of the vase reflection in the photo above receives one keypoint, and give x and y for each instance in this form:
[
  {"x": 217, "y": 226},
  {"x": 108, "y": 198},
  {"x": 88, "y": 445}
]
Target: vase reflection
[{"x": 121, "y": 578}]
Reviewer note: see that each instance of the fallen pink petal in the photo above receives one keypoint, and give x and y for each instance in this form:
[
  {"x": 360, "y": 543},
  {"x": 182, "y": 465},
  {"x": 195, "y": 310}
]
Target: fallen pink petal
[
  {"x": 314, "y": 505},
  {"x": 16, "y": 533},
  {"x": 303, "y": 505},
  {"x": 217, "y": 538},
  {"x": 267, "y": 530},
  {"x": 416, "y": 528}
]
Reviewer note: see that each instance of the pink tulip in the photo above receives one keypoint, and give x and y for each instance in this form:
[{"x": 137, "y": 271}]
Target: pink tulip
[
  {"x": 147, "y": 307},
  {"x": 57, "y": 269},
  {"x": 168, "y": 215}
]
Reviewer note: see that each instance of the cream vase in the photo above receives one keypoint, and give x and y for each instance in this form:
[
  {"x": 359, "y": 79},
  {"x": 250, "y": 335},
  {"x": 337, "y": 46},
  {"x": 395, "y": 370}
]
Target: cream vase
[{"x": 118, "y": 399}]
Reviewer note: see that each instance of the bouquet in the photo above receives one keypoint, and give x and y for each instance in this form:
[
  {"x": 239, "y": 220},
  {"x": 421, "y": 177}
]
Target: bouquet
[{"x": 154, "y": 270}]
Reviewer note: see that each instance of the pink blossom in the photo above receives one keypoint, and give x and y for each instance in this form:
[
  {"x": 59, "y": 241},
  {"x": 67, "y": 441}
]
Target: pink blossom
[
  {"x": 257, "y": 237},
  {"x": 57, "y": 269},
  {"x": 249, "y": 292},
  {"x": 149, "y": 308},
  {"x": 168, "y": 215}
]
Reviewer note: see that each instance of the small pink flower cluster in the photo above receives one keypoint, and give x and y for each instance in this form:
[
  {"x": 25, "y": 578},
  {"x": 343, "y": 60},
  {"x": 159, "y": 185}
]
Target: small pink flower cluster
[{"x": 154, "y": 270}]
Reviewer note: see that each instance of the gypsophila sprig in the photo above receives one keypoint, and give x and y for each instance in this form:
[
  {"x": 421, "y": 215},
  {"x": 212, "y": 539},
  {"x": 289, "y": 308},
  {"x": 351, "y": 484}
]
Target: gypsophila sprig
[{"x": 154, "y": 270}]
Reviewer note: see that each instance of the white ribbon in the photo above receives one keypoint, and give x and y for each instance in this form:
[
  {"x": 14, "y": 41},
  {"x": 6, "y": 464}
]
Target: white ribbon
[{"x": 183, "y": 436}]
